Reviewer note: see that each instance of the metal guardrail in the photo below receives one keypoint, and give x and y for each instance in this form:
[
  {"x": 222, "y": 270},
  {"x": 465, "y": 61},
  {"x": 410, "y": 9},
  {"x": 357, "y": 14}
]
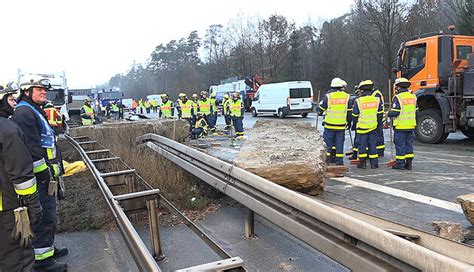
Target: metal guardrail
[
  {"x": 350, "y": 241},
  {"x": 143, "y": 258},
  {"x": 136, "y": 201}
]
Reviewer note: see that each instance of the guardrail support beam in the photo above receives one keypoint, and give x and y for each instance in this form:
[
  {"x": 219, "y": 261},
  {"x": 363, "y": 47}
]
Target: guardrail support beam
[
  {"x": 249, "y": 224},
  {"x": 152, "y": 207}
]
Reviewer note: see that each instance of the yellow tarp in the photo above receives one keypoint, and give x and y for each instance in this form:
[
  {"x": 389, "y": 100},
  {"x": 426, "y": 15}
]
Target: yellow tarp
[{"x": 73, "y": 168}]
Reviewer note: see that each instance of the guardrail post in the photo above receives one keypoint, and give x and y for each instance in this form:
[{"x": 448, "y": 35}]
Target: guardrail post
[
  {"x": 249, "y": 225},
  {"x": 154, "y": 229}
]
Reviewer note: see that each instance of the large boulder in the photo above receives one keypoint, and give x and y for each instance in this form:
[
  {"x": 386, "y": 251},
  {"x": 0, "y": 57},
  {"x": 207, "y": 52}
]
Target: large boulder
[
  {"x": 467, "y": 204},
  {"x": 288, "y": 153}
]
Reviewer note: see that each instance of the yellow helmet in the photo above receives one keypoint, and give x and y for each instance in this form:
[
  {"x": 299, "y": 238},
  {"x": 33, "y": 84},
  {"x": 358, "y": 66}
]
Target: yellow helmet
[
  {"x": 226, "y": 96},
  {"x": 402, "y": 82},
  {"x": 213, "y": 94},
  {"x": 164, "y": 96},
  {"x": 203, "y": 93},
  {"x": 87, "y": 99},
  {"x": 236, "y": 94},
  {"x": 366, "y": 85},
  {"x": 182, "y": 95}
]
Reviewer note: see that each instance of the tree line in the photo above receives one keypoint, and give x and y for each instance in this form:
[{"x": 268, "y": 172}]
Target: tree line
[{"x": 361, "y": 44}]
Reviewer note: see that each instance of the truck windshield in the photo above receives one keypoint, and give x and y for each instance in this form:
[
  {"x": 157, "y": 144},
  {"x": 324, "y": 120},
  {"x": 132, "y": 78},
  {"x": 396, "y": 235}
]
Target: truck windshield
[
  {"x": 300, "y": 93},
  {"x": 110, "y": 95},
  {"x": 57, "y": 96}
]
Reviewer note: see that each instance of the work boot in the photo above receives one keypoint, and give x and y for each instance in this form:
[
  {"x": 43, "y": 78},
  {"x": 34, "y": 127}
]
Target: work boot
[
  {"x": 398, "y": 167},
  {"x": 408, "y": 164},
  {"x": 362, "y": 164},
  {"x": 49, "y": 265},
  {"x": 374, "y": 164},
  {"x": 60, "y": 252}
]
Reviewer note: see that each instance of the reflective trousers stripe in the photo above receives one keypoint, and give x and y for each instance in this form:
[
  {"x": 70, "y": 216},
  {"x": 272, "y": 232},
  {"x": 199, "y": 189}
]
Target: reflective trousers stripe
[
  {"x": 400, "y": 157},
  {"x": 373, "y": 156},
  {"x": 409, "y": 156},
  {"x": 43, "y": 253}
]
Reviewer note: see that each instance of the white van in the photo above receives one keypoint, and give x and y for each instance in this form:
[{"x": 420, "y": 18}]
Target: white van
[
  {"x": 285, "y": 98},
  {"x": 155, "y": 96}
]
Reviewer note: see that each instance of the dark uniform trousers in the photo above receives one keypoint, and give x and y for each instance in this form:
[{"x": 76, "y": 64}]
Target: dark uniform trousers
[
  {"x": 12, "y": 256},
  {"x": 333, "y": 137},
  {"x": 238, "y": 125},
  {"x": 380, "y": 139},
  {"x": 368, "y": 142},
  {"x": 403, "y": 140},
  {"x": 46, "y": 228}
]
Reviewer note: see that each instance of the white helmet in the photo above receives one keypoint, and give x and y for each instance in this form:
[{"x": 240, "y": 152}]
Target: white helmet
[
  {"x": 9, "y": 88},
  {"x": 338, "y": 83},
  {"x": 30, "y": 81}
]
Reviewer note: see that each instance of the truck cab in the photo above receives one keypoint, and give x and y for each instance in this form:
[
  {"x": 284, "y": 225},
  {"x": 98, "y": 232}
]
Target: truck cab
[{"x": 441, "y": 70}]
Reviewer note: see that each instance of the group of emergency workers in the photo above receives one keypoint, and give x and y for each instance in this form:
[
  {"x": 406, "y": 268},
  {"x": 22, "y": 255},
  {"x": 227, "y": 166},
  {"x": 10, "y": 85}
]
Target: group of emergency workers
[
  {"x": 364, "y": 114},
  {"x": 30, "y": 177}
]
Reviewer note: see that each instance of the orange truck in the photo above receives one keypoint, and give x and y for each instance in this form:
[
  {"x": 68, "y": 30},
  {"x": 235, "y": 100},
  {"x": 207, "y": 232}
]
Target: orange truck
[{"x": 441, "y": 70}]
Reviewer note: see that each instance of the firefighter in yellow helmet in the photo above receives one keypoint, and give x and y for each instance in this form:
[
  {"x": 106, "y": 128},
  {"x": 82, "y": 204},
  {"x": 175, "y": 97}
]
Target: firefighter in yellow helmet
[
  {"x": 236, "y": 110},
  {"x": 185, "y": 109},
  {"x": 403, "y": 114},
  {"x": 367, "y": 114},
  {"x": 87, "y": 113},
  {"x": 335, "y": 107},
  {"x": 166, "y": 107},
  {"x": 225, "y": 106}
]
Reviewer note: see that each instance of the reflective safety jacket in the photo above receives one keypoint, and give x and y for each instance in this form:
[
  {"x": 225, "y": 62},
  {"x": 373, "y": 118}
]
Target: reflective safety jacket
[
  {"x": 147, "y": 104},
  {"x": 201, "y": 123},
  {"x": 154, "y": 103},
  {"x": 335, "y": 107},
  {"x": 87, "y": 115},
  {"x": 185, "y": 109},
  {"x": 404, "y": 110},
  {"x": 367, "y": 111},
  {"x": 166, "y": 109},
  {"x": 16, "y": 166},
  {"x": 205, "y": 106},
  {"x": 54, "y": 117},
  {"x": 236, "y": 108},
  {"x": 195, "y": 106},
  {"x": 39, "y": 137},
  {"x": 213, "y": 105},
  {"x": 225, "y": 105}
]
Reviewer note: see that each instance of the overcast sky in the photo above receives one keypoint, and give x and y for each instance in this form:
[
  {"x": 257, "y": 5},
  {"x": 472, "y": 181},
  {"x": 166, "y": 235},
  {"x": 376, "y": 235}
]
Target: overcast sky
[{"x": 92, "y": 40}]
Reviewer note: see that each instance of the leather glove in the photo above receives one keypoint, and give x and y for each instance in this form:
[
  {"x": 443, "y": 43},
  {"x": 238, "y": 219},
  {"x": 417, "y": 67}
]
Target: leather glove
[
  {"x": 22, "y": 232},
  {"x": 35, "y": 211}
]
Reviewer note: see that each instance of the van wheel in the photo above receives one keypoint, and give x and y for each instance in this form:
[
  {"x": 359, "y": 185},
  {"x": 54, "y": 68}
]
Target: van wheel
[
  {"x": 429, "y": 127},
  {"x": 281, "y": 115},
  {"x": 254, "y": 112},
  {"x": 304, "y": 115}
]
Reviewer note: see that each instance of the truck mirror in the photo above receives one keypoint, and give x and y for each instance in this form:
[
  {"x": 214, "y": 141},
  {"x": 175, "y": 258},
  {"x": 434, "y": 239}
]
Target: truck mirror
[{"x": 69, "y": 98}]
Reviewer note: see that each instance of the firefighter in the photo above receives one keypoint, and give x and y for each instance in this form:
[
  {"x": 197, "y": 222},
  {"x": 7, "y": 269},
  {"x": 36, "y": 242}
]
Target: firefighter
[
  {"x": 352, "y": 125},
  {"x": 204, "y": 105},
  {"x": 185, "y": 109},
  {"x": 87, "y": 113},
  {"x": 141, "y": 106},
  {"x": 380, "y": 138},
  {"x": 403, "y": 114},
  {"x": 236, "y": 110},
  {"x": 200, "y": 127},
  {"x": 54, "y": 117},
  {"x": 39, "y": 139},
  {"x": 195, "y": 101},
  {"x": 213, "y": 115},
  {"x": 227, "y": 118},
  {"x": 367, "y": 114},
  {"x": 166, "y": 107},
  {"x": 147, "y": 106},
  {"x": 334, "y": 106},
  {"x": 18, "y": 189},
  {"x": 154, "y": 105}
]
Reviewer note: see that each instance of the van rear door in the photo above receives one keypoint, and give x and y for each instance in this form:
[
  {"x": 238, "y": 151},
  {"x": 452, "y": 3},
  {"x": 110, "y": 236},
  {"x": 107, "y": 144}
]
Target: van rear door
[{"x": 300, "y": 98}]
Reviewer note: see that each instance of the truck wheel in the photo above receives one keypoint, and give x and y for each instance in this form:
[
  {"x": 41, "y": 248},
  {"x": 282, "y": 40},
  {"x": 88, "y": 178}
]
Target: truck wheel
[
  {"x": 429, "y": 127},
  {"x": 254, "y": 112},
  {"x": 281, "y": 115},
  {"x": 304, "y": 115},
  {"x": 469, "y": 133}
]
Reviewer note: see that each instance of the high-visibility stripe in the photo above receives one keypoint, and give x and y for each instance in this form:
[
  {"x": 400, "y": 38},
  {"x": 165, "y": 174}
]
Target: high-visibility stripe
[
  {"x": 409, "y": 156},
  {"x": 373, "y": 156},
  {"x": 43, "y": 253},
  {"x": 26, "y": 188},
  {"x": 400, "y": 157},
  {"x": 381, "y": 147},
  {"x": 39, "y": 166},
  {"x": 1, "y": 201},
  {"x": 362, "y": 155},
  {"x": 328, "y": 154},
  {"x": 339, "y": 155},
  {"x": 51, "y": 153}
]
